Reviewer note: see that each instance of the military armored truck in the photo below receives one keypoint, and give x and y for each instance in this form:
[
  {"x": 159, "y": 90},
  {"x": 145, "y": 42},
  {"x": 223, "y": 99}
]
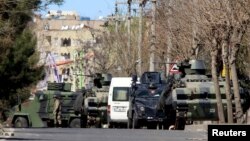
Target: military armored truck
[
  {"x": 92, "y": 105},
  {"x": 143, "y": 102},
  {"x": 38, "y": 110},
  {"x": 192, "y": 97}
]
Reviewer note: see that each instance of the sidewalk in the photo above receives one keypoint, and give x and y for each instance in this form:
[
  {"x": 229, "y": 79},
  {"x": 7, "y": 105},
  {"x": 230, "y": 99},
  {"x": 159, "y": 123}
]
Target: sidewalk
[{"x": 202, "y": 125}]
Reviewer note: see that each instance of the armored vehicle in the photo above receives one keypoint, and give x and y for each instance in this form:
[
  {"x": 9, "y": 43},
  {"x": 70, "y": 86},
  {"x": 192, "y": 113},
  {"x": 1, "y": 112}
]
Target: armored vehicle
[
  {"x": 92, "y": 105},
  {"x": 192, "y": 97},
  {"x": 143, "y": 101},
  {"x": 38, "y": 110}
]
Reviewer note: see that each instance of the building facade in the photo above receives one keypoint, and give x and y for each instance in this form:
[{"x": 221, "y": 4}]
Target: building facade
[{"x": 65, "y": 43}]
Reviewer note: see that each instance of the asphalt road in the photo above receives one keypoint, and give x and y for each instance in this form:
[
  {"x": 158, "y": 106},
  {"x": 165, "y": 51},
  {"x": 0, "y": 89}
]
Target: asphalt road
[{"x": 94, "y": 134}]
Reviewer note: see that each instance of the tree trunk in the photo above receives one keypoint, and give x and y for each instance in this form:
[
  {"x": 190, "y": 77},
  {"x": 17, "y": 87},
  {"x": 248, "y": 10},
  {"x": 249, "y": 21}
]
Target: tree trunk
[
  {"x": 236, "y": 39},
  {"x": 239, "y": 112},
  {"x": 228, "y": 96},
  {"x": 221, "y": 115},
  {"x": 227, "y": 77}
]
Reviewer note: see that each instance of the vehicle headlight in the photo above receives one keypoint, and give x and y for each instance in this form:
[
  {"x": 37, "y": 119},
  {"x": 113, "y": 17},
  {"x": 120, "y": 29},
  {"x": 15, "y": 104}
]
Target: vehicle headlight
[{"x": 142, "y": 109}]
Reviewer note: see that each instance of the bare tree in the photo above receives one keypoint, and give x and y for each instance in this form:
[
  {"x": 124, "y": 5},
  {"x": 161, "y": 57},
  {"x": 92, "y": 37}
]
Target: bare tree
[
  {"x": 237, "y": 18},
  {"x": 124, "y": 58},
  {"x": 228, "y": 19}
]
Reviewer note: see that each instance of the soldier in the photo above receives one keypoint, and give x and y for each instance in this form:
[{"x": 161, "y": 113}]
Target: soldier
[
  {"x": 57, "y": 111},
  {"x": 79, "y": 108}
]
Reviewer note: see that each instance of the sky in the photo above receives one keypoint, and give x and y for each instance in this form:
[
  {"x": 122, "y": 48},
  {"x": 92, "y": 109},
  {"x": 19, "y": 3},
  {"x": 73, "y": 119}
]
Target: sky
[{"x": 86, "y": 8}]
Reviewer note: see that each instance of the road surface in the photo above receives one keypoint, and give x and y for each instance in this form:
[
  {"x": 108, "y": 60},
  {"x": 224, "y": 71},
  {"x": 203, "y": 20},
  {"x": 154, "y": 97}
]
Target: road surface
[{"x": 95, "y": 134}]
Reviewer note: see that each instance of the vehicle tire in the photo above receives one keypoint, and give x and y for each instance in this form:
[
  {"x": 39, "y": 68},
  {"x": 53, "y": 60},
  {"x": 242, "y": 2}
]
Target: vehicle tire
[
  {"x": 170, "y": 121},
  {"x": 83, "y": 121},
  {"x": 98, "y": 122},
  {"x": 167, "y": 123},
  {"x": 75, "y": 123},
  {"x": 135, "y": 124},
  {"x": 180, "y": 123},
  {"x": 129, "y": 125},
  {"x": 21, "y": 122},
  {"x": 45, "y": 124},
  {"x": 110, "y": 125},
  {"x": 152, "y": 126}
]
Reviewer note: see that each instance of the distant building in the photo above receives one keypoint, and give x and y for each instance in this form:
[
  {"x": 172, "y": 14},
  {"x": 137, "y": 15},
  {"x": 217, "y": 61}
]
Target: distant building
[{"x": 65, "y": 41}]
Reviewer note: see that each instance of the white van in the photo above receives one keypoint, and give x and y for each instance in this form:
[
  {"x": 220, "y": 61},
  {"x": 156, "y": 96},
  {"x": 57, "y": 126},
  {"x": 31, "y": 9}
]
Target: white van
[{"x": 118, "y": 101}]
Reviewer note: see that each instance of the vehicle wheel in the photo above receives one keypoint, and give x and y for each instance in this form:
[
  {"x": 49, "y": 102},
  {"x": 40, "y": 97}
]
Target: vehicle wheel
[
  {"x": 98, "y": 123},
  {"x": 75, "y": 123},
  {"x": 129, "y": 125},
  {"x": 45, "y": 124},
  {"x": 83, "y": 121},
  {"x": 135, "y": 124},
  {"x": 170, "y": 121},
  {"x": 152, "y": 126},
  {"x": 21, "y": 122},
  {"x": 180, "y": 124},
  {"x": 167, "y": 123},
  {"x": 110, "y": 125}
]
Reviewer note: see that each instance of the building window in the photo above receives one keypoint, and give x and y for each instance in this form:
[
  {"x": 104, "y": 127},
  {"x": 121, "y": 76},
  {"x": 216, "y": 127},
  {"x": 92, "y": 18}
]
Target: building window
[
  {"x": 48, "y": 38},
  {"x": 46, "y": 26},
  {"x": 56, "y": 41},
  {"x": 66, "y": 55},
  {"x": 65, "y": 42}
]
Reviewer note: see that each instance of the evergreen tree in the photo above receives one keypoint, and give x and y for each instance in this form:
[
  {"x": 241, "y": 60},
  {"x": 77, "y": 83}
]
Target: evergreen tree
[{"x": 18, "y": 56}]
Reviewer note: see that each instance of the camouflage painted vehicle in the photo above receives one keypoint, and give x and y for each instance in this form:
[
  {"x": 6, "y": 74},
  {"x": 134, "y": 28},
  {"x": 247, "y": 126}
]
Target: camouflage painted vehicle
[
  {"x": 92, "y": 105},
  {"x": 38, "y": 110},
  {"x": 192, "y": 97}
]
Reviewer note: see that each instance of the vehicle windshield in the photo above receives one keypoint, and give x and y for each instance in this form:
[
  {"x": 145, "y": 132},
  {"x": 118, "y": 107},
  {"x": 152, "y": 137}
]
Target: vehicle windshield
[
  {"x": 120, "y": 93},
  {"x": 149, "y": 93}
]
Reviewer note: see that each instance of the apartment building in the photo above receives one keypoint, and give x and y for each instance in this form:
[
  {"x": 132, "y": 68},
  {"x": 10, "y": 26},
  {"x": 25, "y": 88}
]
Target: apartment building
[{"x": 65, "y": 42}]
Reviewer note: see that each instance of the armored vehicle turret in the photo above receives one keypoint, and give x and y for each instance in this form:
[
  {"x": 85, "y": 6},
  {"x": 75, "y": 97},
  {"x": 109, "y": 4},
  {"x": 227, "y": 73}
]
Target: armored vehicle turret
[
  {"x": 192, "y": 97},
  {"x": 38, "y": 110},
  {"x": 93, "y": 104}
]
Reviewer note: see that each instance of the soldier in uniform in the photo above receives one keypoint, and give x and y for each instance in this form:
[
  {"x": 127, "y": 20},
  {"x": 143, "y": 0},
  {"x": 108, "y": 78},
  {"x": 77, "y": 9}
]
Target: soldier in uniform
[{"x": 57, "y": 111}]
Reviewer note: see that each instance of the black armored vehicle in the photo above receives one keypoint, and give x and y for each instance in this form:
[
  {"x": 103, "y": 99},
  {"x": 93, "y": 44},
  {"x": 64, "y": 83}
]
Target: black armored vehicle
[{"x": 143, "y": 101}]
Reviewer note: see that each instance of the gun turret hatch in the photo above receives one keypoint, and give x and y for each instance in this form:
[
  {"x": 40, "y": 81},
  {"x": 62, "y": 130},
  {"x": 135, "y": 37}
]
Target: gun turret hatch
[{"x": 197, "y": 67}]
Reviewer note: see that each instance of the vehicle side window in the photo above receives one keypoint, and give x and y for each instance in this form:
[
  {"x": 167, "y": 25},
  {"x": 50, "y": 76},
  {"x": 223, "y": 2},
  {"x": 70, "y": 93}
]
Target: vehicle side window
[
  {"x": 120, "y": 94},
  {"x": 142, "y": 93}
]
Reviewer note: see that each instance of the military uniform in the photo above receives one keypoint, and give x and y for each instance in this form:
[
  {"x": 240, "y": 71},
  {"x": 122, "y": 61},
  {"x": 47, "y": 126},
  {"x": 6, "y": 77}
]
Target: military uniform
[{"x": 57, "y": 111}]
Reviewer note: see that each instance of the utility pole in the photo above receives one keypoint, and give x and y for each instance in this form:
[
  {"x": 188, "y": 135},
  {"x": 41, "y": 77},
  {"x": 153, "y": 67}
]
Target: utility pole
[
  {"x": 129, "y": 26},
  {"x": 153, "y": 38},
  {"x": 169, "y": 42},
  {"x": 141, "y": 4},
  {"x": 116, "y": 17}
]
